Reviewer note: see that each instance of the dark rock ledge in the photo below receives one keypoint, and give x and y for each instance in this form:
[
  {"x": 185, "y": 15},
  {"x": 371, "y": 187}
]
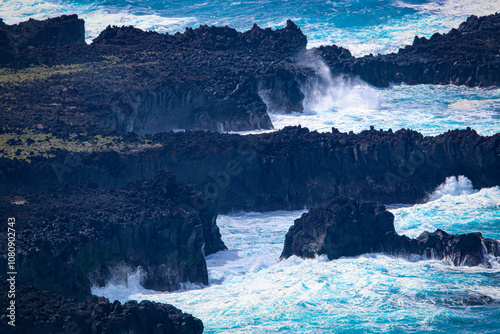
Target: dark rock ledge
[
  {"x": 283, "y": 170},
  {"x": 66, "y": 235},
  {"x": 346, "y": 227},
  {"x": 41, "y": 312}
]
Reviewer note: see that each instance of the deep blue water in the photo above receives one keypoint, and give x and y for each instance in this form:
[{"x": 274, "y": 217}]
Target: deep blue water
[{"x": 250, "y": 290}]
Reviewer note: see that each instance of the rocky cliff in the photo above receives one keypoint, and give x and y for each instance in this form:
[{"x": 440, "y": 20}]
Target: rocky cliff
[
  {"x": 20, "y": 39},
  {"x": 346, "y": 227},
  {"x": 209, "y": 78},
  {"x": 43, "y": 312},
  {"x": 69, "y": 238},
  {"x": 283, "y": 170}
]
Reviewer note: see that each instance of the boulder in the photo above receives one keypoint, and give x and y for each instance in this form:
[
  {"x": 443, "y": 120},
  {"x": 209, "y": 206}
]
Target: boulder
[{"x": 346, "y": 227}]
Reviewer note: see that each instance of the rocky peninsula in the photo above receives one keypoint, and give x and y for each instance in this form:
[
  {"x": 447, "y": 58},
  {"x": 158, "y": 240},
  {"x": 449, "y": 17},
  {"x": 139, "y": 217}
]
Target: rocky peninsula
[
  {"x": 208, "y": 78},
  {"x": 284, "y": 170}
]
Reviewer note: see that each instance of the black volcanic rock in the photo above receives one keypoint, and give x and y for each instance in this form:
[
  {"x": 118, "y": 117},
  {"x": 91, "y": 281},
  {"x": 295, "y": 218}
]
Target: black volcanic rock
[
  {"x": 43, "y": 312},
  {"x": 285, "y": 41},
  {"x": 343, "y": 228},
  {"x": 209, "y": 78},
  {"x": 129, "y": 80},
  {"x": 70, "y": 238},
  {"x": 287, "y": 169},
  {"x": 17, "y": 39},
  {"x": 468, "y": 56},
  {"x": 349, "y": 228},
  {"x": 65, "y": 29}
]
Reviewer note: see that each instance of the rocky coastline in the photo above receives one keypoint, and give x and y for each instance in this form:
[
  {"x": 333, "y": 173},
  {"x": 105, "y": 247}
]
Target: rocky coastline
[
  {"x": 284, "y": 170},
  {"x": 101, "y": 181},
  {"x": 208, "y": 78},
  {"x": 74, "y": 237}
]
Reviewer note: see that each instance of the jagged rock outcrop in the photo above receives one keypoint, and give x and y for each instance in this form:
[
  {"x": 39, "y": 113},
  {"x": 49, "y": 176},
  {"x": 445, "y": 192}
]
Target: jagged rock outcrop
[
  {"x": 468, "y": 55},
  {"x": 17, "y": 39},
  {"x": 44, "y": 312},
  {"x": 346, "y": 227},
  {"x": 70, "y": 238},
  {"x": 283, "y": 170},
  {"x": 210, "y": 78}
]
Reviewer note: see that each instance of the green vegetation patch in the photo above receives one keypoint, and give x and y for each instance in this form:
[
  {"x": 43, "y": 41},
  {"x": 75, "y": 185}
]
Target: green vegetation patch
[
  {"x": 27, "y": 143},
  {"x": 37, "y": 73}
]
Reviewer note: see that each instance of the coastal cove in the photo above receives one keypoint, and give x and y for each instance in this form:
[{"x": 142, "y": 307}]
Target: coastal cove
[{"x": 252, "y": 291}]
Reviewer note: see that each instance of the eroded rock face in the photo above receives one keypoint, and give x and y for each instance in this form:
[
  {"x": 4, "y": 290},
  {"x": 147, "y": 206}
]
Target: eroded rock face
[
  {"x": 44, "y": 312},
  {"x": 71, "y": 238},
  {"x": 347, "y": 227},
  {"x": 65, "y": 29}
]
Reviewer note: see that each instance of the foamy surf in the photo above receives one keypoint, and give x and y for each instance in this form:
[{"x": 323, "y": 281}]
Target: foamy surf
[
  {"x": 429, "y": 109},
  {"x": 454, "y": 207},
  {"x": 251, "y": 291}
]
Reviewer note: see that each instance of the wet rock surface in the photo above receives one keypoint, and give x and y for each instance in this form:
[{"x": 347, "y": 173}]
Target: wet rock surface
[
  {"x": 69, "y": 238},
  {"x": 44, "y": 312},
  {"x": 346, "y": 227}
]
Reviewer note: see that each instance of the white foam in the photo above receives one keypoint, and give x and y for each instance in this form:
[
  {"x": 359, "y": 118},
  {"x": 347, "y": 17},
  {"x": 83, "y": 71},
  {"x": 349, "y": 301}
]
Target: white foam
[
  {"x": 454, "y": 207},
  {"x": 429, "y": 109},
  {"x": 457, "y": 8},
  {"x": 329, "y": 99},
  {"x": 453, "y": 186},
  {"x": 15, "y": 11},
  {"x": 124, "y": 279}
]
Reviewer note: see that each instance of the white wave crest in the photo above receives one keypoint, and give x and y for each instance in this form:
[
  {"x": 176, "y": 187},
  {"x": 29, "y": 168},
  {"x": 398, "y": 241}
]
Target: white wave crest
[
  {"x": 453, "y": 186},
  {"x": 324, "y": 93}
]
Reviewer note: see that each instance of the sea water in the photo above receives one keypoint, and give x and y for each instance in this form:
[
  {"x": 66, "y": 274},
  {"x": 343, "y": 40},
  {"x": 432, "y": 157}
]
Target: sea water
[
  {"x": 252, "y": 291},
  {"x": 363, "y": 26}
]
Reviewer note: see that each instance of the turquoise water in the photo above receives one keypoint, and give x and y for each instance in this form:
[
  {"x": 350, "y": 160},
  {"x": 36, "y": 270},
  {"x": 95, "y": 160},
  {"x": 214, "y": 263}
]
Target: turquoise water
[
  {"x": 250, "y": 290},
  {"x": 429, "y": 109},
  {"x": 364, "y": 26}
]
